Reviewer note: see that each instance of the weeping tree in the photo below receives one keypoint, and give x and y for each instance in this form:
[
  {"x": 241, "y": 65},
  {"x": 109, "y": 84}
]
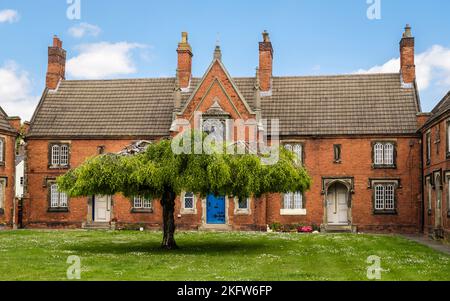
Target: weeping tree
[{"x": 161, "y": 173}]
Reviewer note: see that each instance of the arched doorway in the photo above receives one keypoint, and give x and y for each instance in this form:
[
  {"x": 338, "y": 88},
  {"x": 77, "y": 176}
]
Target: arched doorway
[{"x": 337, "y": 204}]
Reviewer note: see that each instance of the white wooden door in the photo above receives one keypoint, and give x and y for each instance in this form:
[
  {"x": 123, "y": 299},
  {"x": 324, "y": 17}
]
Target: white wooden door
[
  {"x": 337, "y": 205},
  {"x": 102, "y": 209}
]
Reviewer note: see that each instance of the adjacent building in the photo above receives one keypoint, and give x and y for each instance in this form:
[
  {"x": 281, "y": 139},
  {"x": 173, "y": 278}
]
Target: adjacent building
[
  {"x": 436, "y": 162},
  {"x": 8, "y": 134}
]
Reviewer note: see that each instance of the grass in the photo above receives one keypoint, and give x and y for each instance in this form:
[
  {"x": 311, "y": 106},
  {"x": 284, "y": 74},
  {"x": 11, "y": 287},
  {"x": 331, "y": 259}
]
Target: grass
[{"x": 127, "y": 255}]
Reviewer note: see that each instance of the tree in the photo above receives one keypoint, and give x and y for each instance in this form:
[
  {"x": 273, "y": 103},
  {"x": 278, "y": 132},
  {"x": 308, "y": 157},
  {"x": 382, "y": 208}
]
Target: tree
[{"x": 160, "y": 173}]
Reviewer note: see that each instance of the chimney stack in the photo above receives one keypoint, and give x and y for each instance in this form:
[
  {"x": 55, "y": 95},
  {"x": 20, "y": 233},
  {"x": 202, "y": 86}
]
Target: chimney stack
[
  {"x": 407, "y": 65},
  {"x": 265, "y": 63},
  {"x": 184, "y": 68},
  {"x": 56, "y": 70}
]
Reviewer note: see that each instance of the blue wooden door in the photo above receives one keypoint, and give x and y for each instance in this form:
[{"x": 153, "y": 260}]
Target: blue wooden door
[{"x": 215, "y": 209}]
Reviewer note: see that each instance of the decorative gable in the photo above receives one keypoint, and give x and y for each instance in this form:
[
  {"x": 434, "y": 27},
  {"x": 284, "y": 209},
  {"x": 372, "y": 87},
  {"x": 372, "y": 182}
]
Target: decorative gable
[{"x": 217, "y": 94}]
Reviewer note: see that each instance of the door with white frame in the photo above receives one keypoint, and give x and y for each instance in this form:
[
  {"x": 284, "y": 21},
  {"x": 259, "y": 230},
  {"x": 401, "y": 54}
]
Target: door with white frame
[
  {"x": 337, "y": 205},
  {"x": 102, "y": 209}
]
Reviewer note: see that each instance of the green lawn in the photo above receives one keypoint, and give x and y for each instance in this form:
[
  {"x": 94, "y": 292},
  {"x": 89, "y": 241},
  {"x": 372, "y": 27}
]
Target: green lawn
[{"x": 42, "y": 255}]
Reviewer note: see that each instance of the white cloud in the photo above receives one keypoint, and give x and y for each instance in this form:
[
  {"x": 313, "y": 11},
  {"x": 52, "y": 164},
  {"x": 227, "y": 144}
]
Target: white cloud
[
  {"x": 15, "y": 91},
  {"x": 84, "y": 29},
  {"x": 9, "y": 15},
  {"x": 432, "y": 66},
  {"x": 103, "y": 60}
]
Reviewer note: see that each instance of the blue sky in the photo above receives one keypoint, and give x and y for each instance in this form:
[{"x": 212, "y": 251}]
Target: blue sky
[{"x": 138, "y": 38}]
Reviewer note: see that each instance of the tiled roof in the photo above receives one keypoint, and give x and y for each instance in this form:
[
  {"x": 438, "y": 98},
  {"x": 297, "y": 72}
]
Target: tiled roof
[
  {"x": 441, "y": 109},
  {"x": 321, "y": 105},
  {"x": 4, "y": 124}
]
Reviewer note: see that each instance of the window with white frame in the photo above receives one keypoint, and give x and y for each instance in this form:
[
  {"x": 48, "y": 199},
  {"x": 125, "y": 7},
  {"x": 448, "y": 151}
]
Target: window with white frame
[
  {"x": 296, "y": 149},
  {"x": 242, "y": 206},
  {"x": 429, "y": 194},
  {"x": 2, "y": 194},
  {"x": 293, "y": 201},
  {"x": 58, "y": 200},
  {"x": 189, "y": 201},
  {"x": 448, "y": 138},
  {"x": 2, "y": 150},
  {"x": 59, "y": 155},
  {"x": 243, "y": 203},
  {"x": 140, "y": 202},
  {"x": 384, "y": 197},
  {"x": 384, "y": 154}
]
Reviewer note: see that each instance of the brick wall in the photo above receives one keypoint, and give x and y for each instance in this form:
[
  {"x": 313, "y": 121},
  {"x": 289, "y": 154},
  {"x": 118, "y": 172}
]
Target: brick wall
[{"x": 7, "y": 172}]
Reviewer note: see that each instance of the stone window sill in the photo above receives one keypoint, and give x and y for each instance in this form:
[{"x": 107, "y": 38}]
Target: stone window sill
[
  {"x": 58, "y": 210},
  {"x": 385, "y": 212},
  {"x": 188, "y": 211},
  {"x": 292, "y": 212},
  {"x": 59, "y": 167},
  {"x": 242, "y": 212},
  {"x": 384, "y": 166},
  {"x": 141, "y": 210}
]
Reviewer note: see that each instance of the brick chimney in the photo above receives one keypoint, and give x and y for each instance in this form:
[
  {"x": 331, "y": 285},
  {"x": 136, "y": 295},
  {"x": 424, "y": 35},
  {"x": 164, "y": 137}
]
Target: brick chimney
[
  {"x": 184, "y": 69},
  {"x": 265, "y": 63},
  {"x": 407, "y": 65},
  {"x": 56, "y": 64},
  {"x": 15, "y": 123}
]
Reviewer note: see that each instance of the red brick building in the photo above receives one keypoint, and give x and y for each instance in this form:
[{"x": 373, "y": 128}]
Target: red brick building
[
  {"x": 8, "y": 134},
  {"x": 436, "y": 161},
  {"x": 357, "y": 135}
]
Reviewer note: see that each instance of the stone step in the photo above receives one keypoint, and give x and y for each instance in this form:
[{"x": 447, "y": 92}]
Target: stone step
[
  {"x": 97, "y": 226},
  {"x": 338, "y": 229}
]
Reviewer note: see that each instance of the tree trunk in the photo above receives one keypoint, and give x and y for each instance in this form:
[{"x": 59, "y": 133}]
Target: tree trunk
[{"x": 168, "y": 205}]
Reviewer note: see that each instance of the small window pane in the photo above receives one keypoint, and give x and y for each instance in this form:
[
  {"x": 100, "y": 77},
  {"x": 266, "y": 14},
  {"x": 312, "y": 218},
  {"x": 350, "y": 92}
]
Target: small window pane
[
  {"x": 54, "y": 196},
  {"x": 378, "y": 152},
  {"x": 389, "y": 197},
  {"x": 298, "y": 200},
  {"x": 379, "y": 197},
  {"x": 189, "y": 200},
  {"x": 62, "y": 200},
  {"x": 55, "y": 155},
  {"x": 147, "y": 204},
  {"x": 64, "y": 155},
  {"x": 2, "y": 195},
  {"x": 389, "y": 154},
  {"x": 298, "y": 151},
  {"x": 137, "y": 202},
  {"x": 1, "y": 150},
  {"x": 288, "y": 203}
]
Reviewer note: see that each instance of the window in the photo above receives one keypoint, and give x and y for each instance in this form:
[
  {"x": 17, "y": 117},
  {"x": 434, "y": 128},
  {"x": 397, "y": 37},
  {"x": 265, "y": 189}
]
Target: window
[
  {"x": 2, "y": 150},
  {"x": 297, "y": 149},
  {"x": 242, "y": 206},
  {"x": 243, "y": 203},
  {"x": 2, "y": 195},
  {"x": 21, "y": 181},
  {"x": 293, "y": 201},
  {"x": 140, "y": 202},
  {"x": 384, "y": 154},
  {"x": 429, "y": 194},
  {"x": 448, "y": 138},
  {"x": 188, "y": 203},
  {"x": 385, "y": 198},
  {"x": 59, "y": 155},
  {"x": 428, "y": 137},
  {"x": 337, "y": 153},
  {"x": 293, "y": 204},
  {"x": 58, "y": 200}
]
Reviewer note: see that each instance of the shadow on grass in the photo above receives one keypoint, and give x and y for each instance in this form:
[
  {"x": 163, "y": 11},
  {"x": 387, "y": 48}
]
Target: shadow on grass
[{"x": 185, "y": 248}]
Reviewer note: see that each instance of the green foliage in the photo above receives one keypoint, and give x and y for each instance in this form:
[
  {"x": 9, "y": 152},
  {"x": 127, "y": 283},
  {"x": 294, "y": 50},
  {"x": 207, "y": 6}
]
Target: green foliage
[{"x": 159, "y": 169}]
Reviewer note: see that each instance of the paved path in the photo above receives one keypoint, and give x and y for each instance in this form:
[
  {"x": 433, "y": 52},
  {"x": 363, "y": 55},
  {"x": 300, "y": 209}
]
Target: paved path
[{"x": 436, "y": 245}]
